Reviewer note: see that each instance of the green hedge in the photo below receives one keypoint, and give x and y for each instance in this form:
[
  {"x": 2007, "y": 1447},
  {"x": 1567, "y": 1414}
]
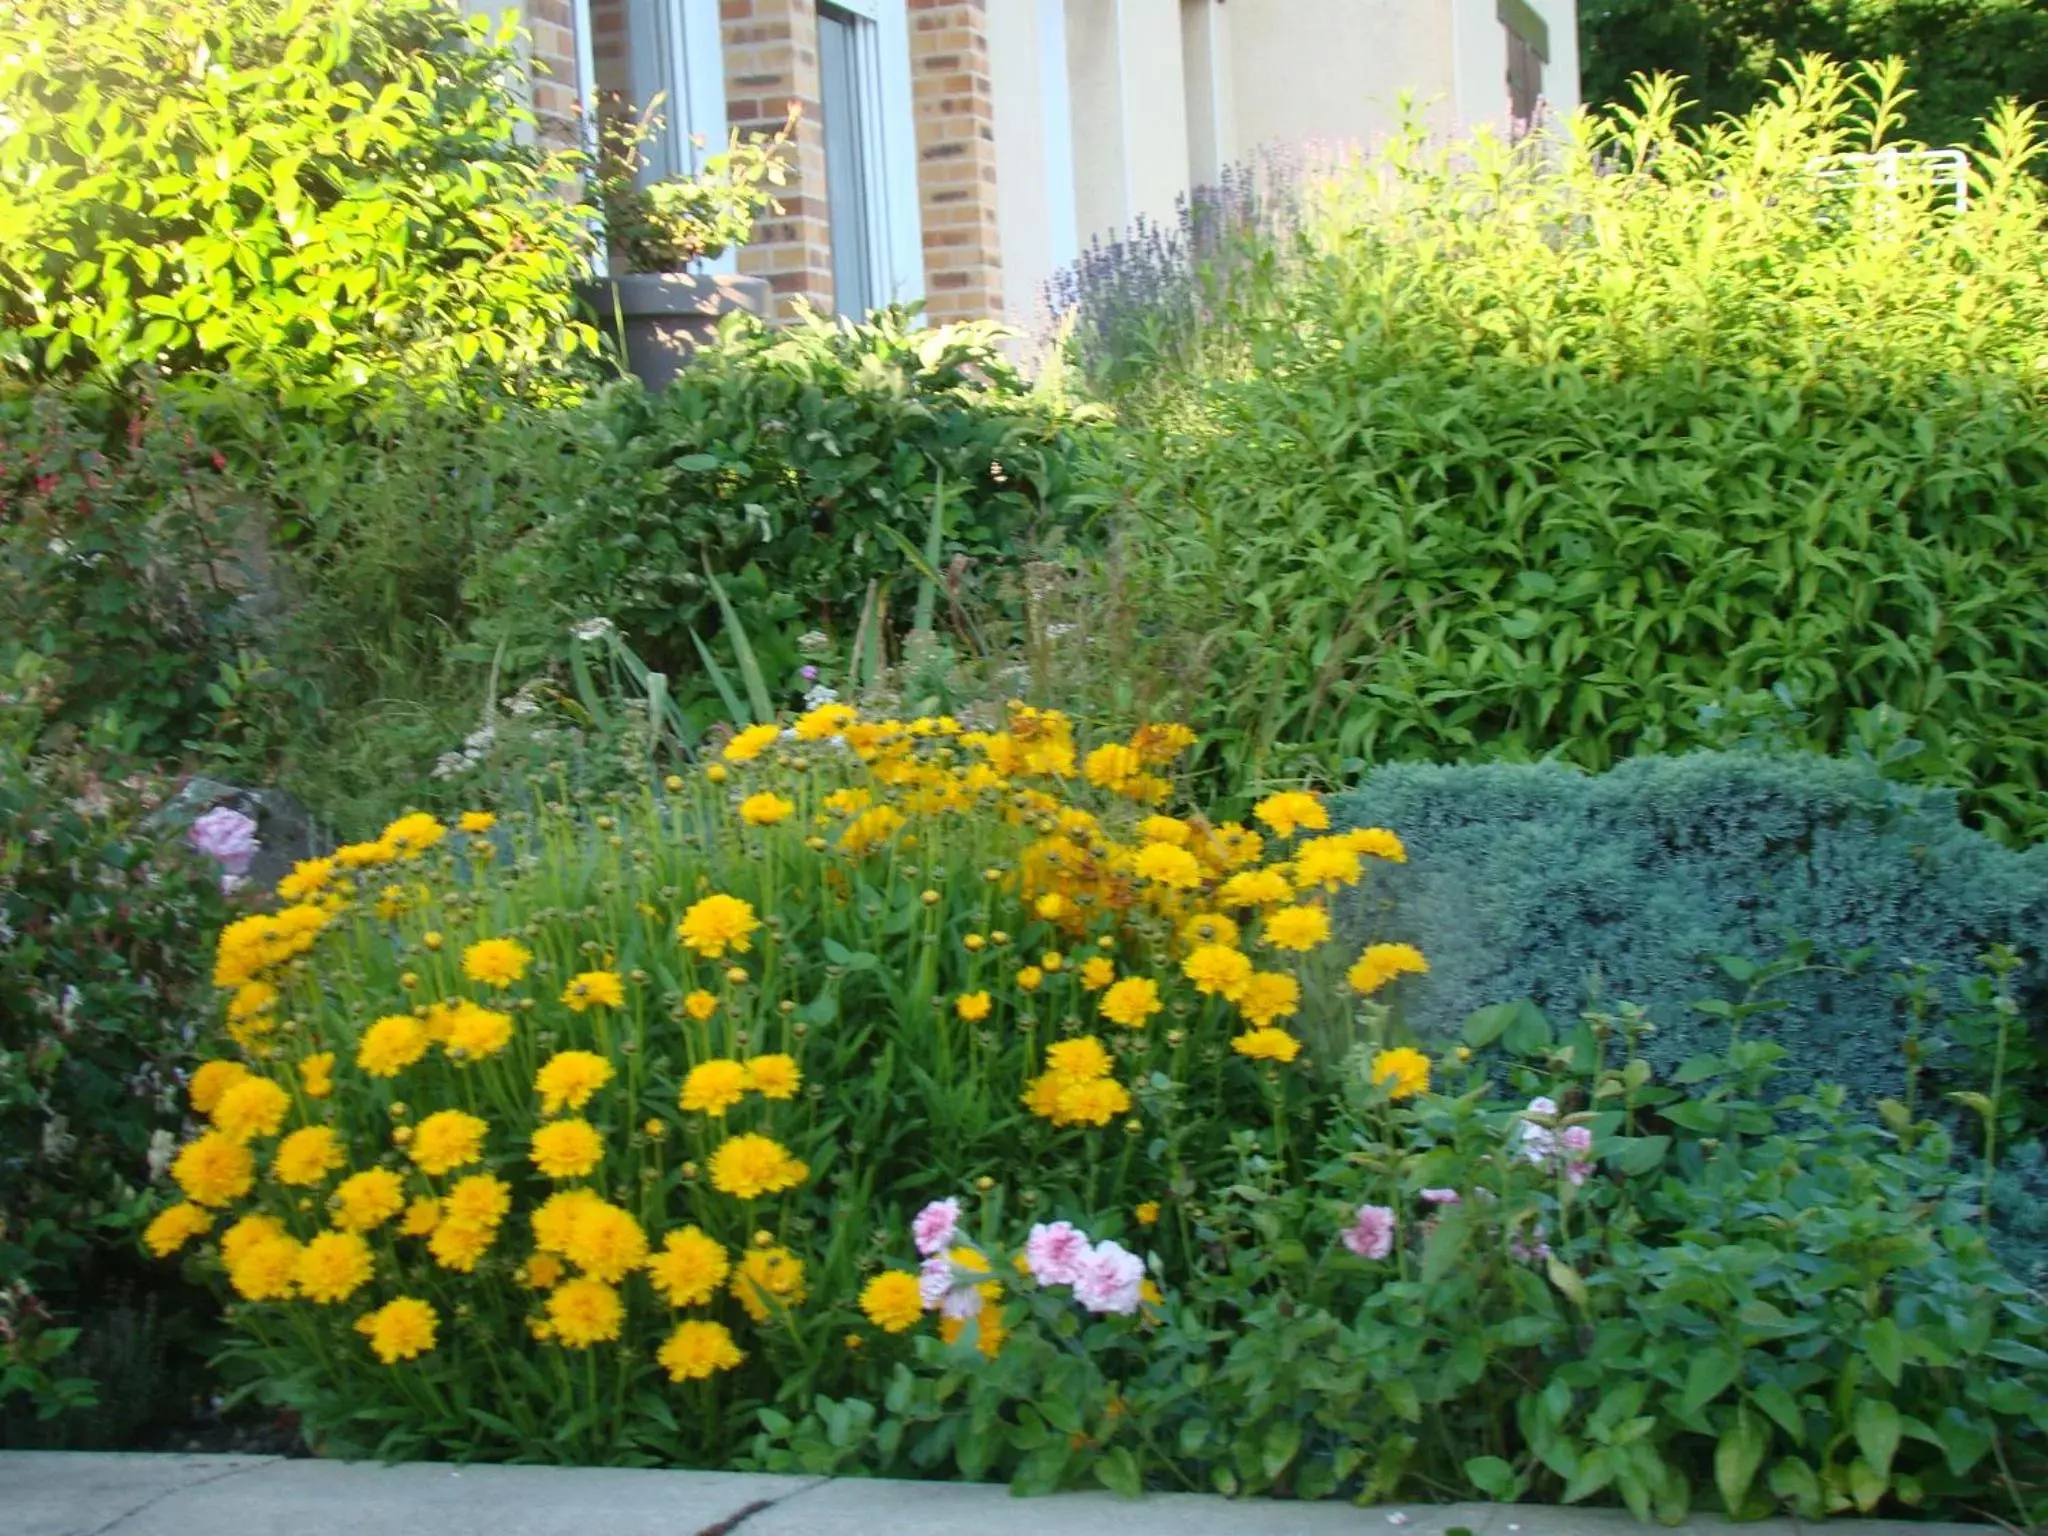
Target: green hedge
[
  {"x": 1543, "y": 882},
  {"x": 1514, "y": 454}
]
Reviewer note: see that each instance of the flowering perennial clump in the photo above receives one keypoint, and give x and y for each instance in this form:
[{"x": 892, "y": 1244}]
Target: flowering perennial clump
[{"x": 622, "y": 1101}]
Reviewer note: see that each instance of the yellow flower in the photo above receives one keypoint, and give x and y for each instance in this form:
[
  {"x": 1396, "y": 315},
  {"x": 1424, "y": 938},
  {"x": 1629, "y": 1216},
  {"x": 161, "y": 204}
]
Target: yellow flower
[
  {"x": 471, "y": 1032},
  {"x": 1166, "y": 829},
  {"x": 690, "y": 1267},
  {"x": 698, "y": 1350},
  {"x": 1131, "y": 1001},
  {"x": 1403, "y": 1069},
  {"x": 751, "y": 743},
  {"x": 213, "y": 1169},
  {"x": 1296, "y": 928},
  {"x": 765, "y": 809},
  {"x": 749, "y": 1166},
  {"x": 700, "y": 1005},
  {"x": 251, "y": 998},
  {"x": 542, "y": 1272},
  {"x": 1254, "y": 888},
  {"x": 1147, "y": 1213},
  {"x": 478, "y": 1198},
  {"x": 1051, "y": 906},
  {"x": 1030, "y": 978},
  {"x": 774, "y": 1076},
  {"x": 410, "y": 836},
  {"x": 1291, "y": 810},
  {"x": 421, "y": 1217},
  {"x": 334, "y": 1266},
  {"x": 556, "y": 1219},
  {"x": 712, "y": 1087},
  {"x": 316, "y": 1074},
  {"x": 567, "y": 1079},
  {"x": 1095, "y": 1101},
  {"x": 1234, "y": 846},
  {"x": 602, "y": 1240},
  {"x": 1111, "y": 766},
  {"x": 245, "y": 1234},
  {"x": 892, "y": 1301},
  {"x": 363, "y": 855},
  {"x": 1080, "y": 1058},
  {"x": 844, "y": 802},
  {"x": 1266, "y": 1045},
  {"x": 585, "y": 1312},
  {"x": 973, "y": 1006},
  {"x": 1097, "y": 972},
  {"x": 266, "y": 1268},
  {"x": 309, "y": 877},
  {"x": 870, "y": 829},
  {"x": 1269, "y": 995},
  {"x": 988, "y": 1328},
  {"x": 477, "y": 821},
  {"x": 1381, "y": 963},
  {"x": 1217, "y": 971},
  {"x": 391, "y": 1045},
  {"x": 364, "y": 1201},
  {"x": 251, "y": 1107},
  {"x": 1160, "y": 744},
  {"x": 496, "y": 962},
  {"x": 1378, "y": 843},
  {"x": 769, "y": 1278},
  {"x": 1209, "y": 928},
  {"x": 567, "y": 1149},
  {"x": 210, "y": 1081},
  {"x": 254, "y": 944},
  {"x": 175, "y": 1226},
  {"x": 458, "y": 1245},
  {"x": 1328, "y": 862},
  {"x": 446, "y": 1140},
  {"x": 824, "y": 722},
  {"x": 307, "y": 1156},
  {"x": 717, "y": 924},
  {"x": 594, "y": 989},
  {"x": 1169, "y": 865},
  {"x": 402, "y": 1329}
]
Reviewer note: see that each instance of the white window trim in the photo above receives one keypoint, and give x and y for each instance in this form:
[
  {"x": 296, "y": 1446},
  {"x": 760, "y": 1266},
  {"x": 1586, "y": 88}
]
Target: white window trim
[{"x": 888, "y": 130}]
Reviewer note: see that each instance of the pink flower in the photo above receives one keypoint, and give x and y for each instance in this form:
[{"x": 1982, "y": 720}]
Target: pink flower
[
  {"x": 1576, "y": 1139},
  {"x": 1371, "y": 1236},
  {"x": 947, "y": 1288},
  {"x": 1109, "y": 1279},
  {"x": 1542, "y": 1106},
  {"x": 934, "y": 1281},
  {"x": 1056, "y": 1253},
  {"x": 933, "y": 1227},
  {"x": 1440, "y": 1196},
  {"x": 228, "y": 838},
  {"x": 1529, "y": 1253},
  {"x": 1578, "y": 1173}
]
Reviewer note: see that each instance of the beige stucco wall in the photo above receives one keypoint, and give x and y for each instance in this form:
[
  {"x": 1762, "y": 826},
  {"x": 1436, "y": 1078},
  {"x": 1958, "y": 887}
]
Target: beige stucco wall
[
  {"x": 1024, "y": 143},
  {"x": 1333, "y": 71}
]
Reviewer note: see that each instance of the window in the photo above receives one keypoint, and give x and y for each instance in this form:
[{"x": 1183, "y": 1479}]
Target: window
[
  {"x": 1528, "y": 51},
  {"x": 673, "y": 52},
  {"x": 870, "y": 154}
]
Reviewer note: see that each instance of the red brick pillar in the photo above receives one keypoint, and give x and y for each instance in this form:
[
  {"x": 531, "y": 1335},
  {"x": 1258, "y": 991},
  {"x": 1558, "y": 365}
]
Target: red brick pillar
[{"x": 956, "y": 158}]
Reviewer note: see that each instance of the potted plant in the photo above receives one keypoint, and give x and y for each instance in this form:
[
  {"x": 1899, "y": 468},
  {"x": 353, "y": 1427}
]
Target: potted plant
[{"x": 657, "y": 300}]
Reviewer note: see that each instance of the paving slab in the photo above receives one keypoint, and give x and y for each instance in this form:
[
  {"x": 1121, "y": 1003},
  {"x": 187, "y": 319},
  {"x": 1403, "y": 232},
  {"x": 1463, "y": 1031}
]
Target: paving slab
[{"x": 92, "y": 1494}]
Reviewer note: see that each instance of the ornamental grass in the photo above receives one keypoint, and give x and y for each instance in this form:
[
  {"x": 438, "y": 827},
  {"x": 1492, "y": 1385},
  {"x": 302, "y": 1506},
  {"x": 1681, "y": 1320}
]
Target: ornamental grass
[{"x": 591, "y": 1132}]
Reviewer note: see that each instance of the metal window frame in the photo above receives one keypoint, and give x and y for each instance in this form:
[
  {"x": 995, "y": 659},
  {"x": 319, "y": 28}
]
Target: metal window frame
[{"x": 884, "y": 117}]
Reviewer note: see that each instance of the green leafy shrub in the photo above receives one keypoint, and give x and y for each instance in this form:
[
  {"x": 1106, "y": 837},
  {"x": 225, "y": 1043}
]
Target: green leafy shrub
[
  {"x": 1535, "y": 880},
  {"x": 663, "y": 226},
  {"x": 1727, "y": 1300},
  {"x": 320, "y": 198},
  {"x": 104, "y": 930},
  {"x": 1540, "y": 450},
  {"x": 127, "y": 557},
  {"x": 799, "y": 467}
]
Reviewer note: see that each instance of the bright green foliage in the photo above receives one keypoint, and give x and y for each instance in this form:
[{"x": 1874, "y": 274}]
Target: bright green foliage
[
  {"x": 1542, "y": 882},
  {"x": 1752, "y": 1304},
  {"x": 799, "y": 467},
  {"x": 125, "y": 557},
  {"x": 104, "y": 942},
  {"x": 1540, "y": 450},
  {"x": 1963, "y": 55},
  {"x": 320, "y": 197}
]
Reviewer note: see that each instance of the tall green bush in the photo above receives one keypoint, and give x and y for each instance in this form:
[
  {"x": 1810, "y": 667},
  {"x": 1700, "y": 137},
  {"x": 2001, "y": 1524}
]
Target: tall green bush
[
  {"x": 1540, "y": 449},
  {"x": 1576, "y": 890},
  {"x": 320, "y": 198}
]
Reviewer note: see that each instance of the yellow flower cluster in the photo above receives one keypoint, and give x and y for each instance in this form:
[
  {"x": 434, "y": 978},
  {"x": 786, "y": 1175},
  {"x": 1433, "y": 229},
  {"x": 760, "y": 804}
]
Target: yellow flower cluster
[{"x": 1076, "y": 1088}]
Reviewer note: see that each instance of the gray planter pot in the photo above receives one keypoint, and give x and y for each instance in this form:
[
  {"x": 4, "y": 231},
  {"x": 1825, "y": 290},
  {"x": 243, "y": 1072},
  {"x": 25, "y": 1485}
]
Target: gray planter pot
[{"x": 665, "y": 316}]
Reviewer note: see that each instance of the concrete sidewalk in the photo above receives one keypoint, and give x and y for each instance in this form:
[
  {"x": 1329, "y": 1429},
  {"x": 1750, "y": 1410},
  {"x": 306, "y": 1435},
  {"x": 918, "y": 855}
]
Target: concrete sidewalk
[{"x": 90, "y": 1494}]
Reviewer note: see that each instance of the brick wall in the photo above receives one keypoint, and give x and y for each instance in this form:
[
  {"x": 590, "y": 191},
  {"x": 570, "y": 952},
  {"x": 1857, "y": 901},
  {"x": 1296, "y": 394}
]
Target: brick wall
[
  {"x": 771, "y": 60},
  {"x": 553, "y": 26},
  {"x": 956, "y": 158}
]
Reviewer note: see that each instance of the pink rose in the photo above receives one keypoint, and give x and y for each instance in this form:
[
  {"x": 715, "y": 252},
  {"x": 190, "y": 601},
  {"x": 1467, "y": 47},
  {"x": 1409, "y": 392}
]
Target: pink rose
[
  {"x": 1371, "y": 1236},
  {"x": 1056, "y": 1252},
  {"x": 1109, "y": 1279},
  {"x": 1576, "y": 1139},
  {"x": 933, "y": 1227},
  {"x": 228, "y": 838}
]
